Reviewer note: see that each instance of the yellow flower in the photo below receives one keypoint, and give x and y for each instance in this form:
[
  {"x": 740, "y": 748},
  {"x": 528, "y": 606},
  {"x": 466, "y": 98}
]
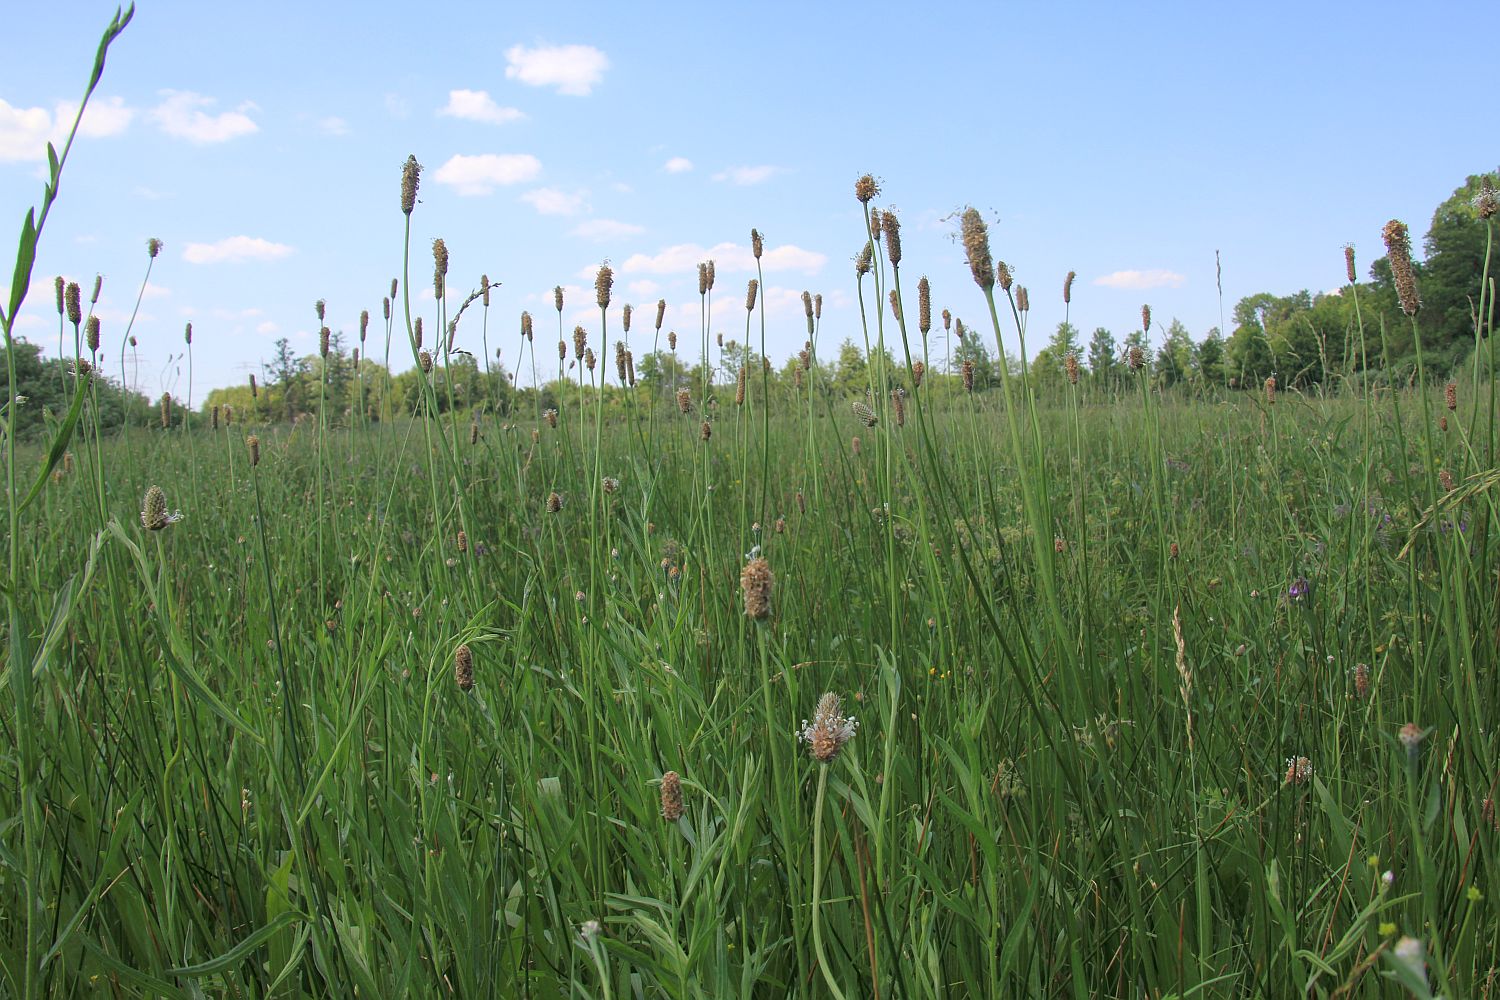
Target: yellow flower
[{"x": 1387, "y": 929}]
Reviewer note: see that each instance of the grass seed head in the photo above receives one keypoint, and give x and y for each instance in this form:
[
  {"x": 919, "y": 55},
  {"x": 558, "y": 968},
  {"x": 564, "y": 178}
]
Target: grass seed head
[
  {"x": 918, "y": 372},
  {"x": 1070, "y": 366},
  {"x": 1068, "y": 287},
  {"x": 976, "y": 237},
  {"x": 924, "y": 305},
  {"x": 1004, "y": 276},
  {"x": 364, "y": 324},
  {"x": 589, "y": 360},
  {"x": 671, "y": 797},
  {"x": 484, "y": 289},
  {"x": 417, "y": 331},
  {"x": 947, "y": 320},
  {"x": 1146, "y": 319},
  {"x": 756, "y": 584},
  {"x": 828, "y": 731},
  {"x": 1445, "y": 480},
  {"x": 153, "y": 247},
  {"x": 1023, "y": 299},
  {"x": 863, "y": 262},
  {"x": 1349, "y": 263},
  {"x": 411, "y": 176},
  {"x": 864, "y": 413},
  {"x": 630, "y": 368},
  {"x": 74, "y": 297},
  {"x": 739, "y": 386},
  {"x": 1450, "y": 395},
  {"x": 1135, "y": 358},
  {"x": 818, "y": 305},
  {"x": 661, "y": 313},
  {"x": 463, "y": 540},
  {"x": 891, "y": 227},
  {"x": 554, "y": 502},
  {"x": 425, "y": 359},
  {"x": 216, "y": 416},
  {"x": 474, "y": 431},
  {"x": 1398, "y": 251},
  {"x": 703, "y": 279},
  {"x": 324, "y": 336},
  {"x": 557, "y": 297},
  {"x": 898, "y": 405},
  {"x": 968, "y": 371},
  {"x": 98, "y": 284},
  {"x": 551, "y": 417},
  {"x": 61, "y": 286},
  {"x": 254, "y": 389},
  {"x": 154, "y": 516},
  {"x": 672, "y": 340},
  {"x": 166, "y": 409},
  {"x": 1271, "y": 390},
  {"x": 526, "y": 325},
  {"x": 463, "y": 667},
  {"x": 684, "y": 400},
  {"x": 751, "y": 291},
  {"x": 866, "y": 188},
  {"x": 604, "y": 282},
  {"x": 580, "y": 341},
  {"x": 625, "y": 316},
  {"x": 757, "y": 245},
  {"x": 91, "y": 330},
  {"x": 706, "y": 431},
  {"x": 895, "y": 306},
  {"x": 1486, "y": 202}
]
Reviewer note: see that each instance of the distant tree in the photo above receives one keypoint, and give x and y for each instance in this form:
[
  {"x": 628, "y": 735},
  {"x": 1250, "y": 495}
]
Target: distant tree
[
  {"x": 288, "y": 373},
  {"x": 1102, "y": 363},
  {"x": 1209, "y": 359}
]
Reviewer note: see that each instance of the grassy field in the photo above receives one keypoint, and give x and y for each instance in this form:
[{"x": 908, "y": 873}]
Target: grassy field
[{"x": 1113, "y": 694}]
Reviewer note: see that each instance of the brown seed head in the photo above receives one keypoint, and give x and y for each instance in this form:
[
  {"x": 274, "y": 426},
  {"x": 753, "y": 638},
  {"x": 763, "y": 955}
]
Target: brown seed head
[
  {"x": 818, "y": 305},
  {"x": 580, "y": 341},
  {"x": 1070, "y": 365},
  {"x": 91, "y": 328},
  {"x": 254, "y": 391},
  {"x": 386, "y": 307},
  {"x": 976, "y": 236},
  {"x": 672, "y": 340},
  {"x": 411, "y": 176},
  {"x": 463, "y": 668},
  {"x": 166, "y": 409},
  {"x": 703, "y": 279},
  {"x": 757, "y": 245},
  {"x": 947, "y": 320},
  {"x": 1411, "y": 736},
  {"x": 1486, "y": 202},
  {"x": 918, "y": 372},
  {"x": 1398, "y": 251},
  {"x": 968, "y": 370},
  {"x": 1136, "y": 358},
  {"x": 1271, "y": 391},
  {"x": 924, "y": 305},
  {"x": 866, "y": 188},
  {"x": 661, "y": 313},
  {"x": 1349, "y": 263},
  {"x": 216, "y": 416},
  {"x": 684, "y": 400},
  {"x": 557, "y": 297},
  {"x": 463, "y": 540},
  {"x": 554, "y": 502},
  {"x": 863, "y": 262},
  {"x": 801, "y": 503},
  {"x": 898, "y": 406},
  {"x": 417, "y": 331},
  {"x": 750, "y": 292},
  {"x": 891, "y": 227},
  {"x": 739, "y": 386},
  {"x": 228, "y": 414},
  {"x": 484, "y": 289},
  {"x": 1146, "y": 318},
  {"x": 1450, "y": 395},
  {"x": 551, "y": 417},
  {"x": 526, "y": 325},
  {"x": 895, "y": 306},
  {"x": 153, "y": 247},
  {"x": 74, "y": 298},
  {"x": 864, "y": 413},
  {"x": 1004, "y": 276},
  {"x": 604, "y": 282},
  {"x": 324, "y": 335},
  {"x": 364, "y": 324},
  {"x": 625, "y": 316},
  {"x": 1068, "y": 287},
  {"x": 424, "y": 358},
  {"x": 1361, "y": 681},
  {"x": 474, "y": 431},
  {"x": 589, "y": 360},
  {"x": 1023, "y": 299},
  {"x": 828, "y": 731},
  {"x": 710, "y": 266},
  {"x": 630, "y": 368},
  {"x": 671, "y": 797},
  {"x": 706, "y": 431},
  {"x": 756, "y": 583}
]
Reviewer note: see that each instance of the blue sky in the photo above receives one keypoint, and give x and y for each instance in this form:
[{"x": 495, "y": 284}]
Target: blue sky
[{"x": 263, "y": 144}]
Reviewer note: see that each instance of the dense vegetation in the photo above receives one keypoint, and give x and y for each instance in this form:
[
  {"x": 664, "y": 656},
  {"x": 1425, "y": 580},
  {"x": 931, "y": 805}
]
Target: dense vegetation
[{"x": 702, "y": 688}]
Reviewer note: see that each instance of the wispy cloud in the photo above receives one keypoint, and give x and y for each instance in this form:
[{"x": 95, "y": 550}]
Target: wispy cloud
[
  {"x": 25, "y": 132},
  {"x": 478, "y": 106},
  {"x": 552, "y": 201},
  {"x": 478, "y": 175},
  {"x": 727, "y": 257},
  {"x": 572, "y": 69},
  {"x": 745, "y": 176},
  {"x": 181, "y": 115},
  {"x": 333, "y": 125},
  {"x": 266, "y": 328},
  {"x": 678, "y": 165},
  {"x": 1141, "y": 280},
  {"x": 235, "y": 249},
  {"x": 603, "y": 230}
]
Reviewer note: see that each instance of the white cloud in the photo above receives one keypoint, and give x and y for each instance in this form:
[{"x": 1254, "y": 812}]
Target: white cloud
[
  {"x": 333, "y": 125},
  {"x": 397, "y": 106},
  {"x": 25, "y": 132},
  {"x": 266, "y": 328},
  {"x": 572, "y": 69},
  {"x": 684, "y": 258},
  {"x": 601, "y": 230},
  {"x": 551, "y": 201},
  {"x": 146, "y": 194},
  {"x": 155, "y": 292},
  {"x": 478, "y": 106},
  {"x": 234, "y": 249},
  {"x": 678, "y": 165},
  {"x": 476, "y": 175},
  {"x": 181, "y": 115},
  {"x": 745, "y": 176},
  {"x": 1141, "y": 280},
  {"x": 645, "y": 288}
]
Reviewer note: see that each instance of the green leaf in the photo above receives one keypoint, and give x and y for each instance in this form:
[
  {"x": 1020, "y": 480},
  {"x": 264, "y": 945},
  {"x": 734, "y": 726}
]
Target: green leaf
[
  {"x": 59, "y": 448},
  {"x": 235, "y": 955},
  {"x": 25, "y": 259}
]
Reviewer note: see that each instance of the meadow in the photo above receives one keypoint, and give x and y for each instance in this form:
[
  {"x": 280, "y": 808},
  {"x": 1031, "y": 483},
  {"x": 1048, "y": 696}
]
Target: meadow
[{"x": 720, "y": 692}]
